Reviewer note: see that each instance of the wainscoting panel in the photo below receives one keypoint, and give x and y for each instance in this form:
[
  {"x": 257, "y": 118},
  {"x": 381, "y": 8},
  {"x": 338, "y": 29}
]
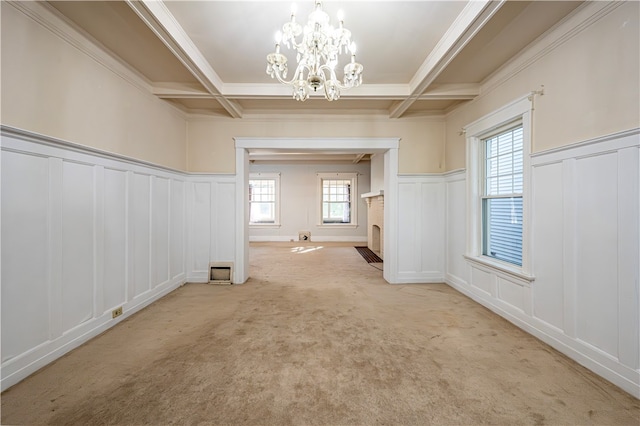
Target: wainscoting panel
[
  {"x": 211, "y": 236},
  {"x": 77, "y": 243},
  {"x": 547, "y": 232},
  {"x": 83, "y": 232},
  {"x": 409, "y": 217},
  {"x": 224, "y": 220},
  {"x": 421, "y": 226},
  {"x": 584, "y": 300},
  {"x": 25, "y": 253},
  {"x": 597, "y": 251},
  {"x": 456, "y": 226},
  {"x": 115, "y": 239},
  {"x": 483, "y": 281},
  {"x": 178, "y": 230},
  {"x": 141, "y": 261},
  {"x": 160, "y": 235}
]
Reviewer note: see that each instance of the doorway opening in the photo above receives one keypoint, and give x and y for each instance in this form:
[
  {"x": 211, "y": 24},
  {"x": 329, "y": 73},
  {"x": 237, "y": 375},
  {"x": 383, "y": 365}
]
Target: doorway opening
[{"x": 388, "y": 147}]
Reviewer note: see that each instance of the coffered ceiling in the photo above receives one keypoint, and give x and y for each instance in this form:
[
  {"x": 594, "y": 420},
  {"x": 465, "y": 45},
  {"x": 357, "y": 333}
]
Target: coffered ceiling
[{"x": 209, "y": 57}]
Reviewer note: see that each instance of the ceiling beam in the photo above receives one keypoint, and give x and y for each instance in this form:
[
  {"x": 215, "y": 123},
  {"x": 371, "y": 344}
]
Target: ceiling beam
[
  {"x": 461, "y": 91},
  {"x": 180, "y": 90},
  {"x": 160, "y": 20},
  {"x": 277, "y": 90},
  {"x": 472, "y": 18}
]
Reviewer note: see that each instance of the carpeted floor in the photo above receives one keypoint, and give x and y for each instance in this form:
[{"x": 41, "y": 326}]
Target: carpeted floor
[{"x": 316, "y": 337}]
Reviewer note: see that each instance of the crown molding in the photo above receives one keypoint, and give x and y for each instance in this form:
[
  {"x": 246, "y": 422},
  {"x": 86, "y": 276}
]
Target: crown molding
[
  {"x": 583, "y": 17},
  {"x": 318, "y": 116},
  {"x": 573, "y": 24}
]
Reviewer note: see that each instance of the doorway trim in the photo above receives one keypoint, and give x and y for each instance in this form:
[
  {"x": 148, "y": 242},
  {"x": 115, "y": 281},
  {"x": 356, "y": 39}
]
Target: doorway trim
[{"x": 386, "y": 146}]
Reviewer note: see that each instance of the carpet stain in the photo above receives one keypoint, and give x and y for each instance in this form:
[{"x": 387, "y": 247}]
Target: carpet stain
[{"x": 316, "y": 340}]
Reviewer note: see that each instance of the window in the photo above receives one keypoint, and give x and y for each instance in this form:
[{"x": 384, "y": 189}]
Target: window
[
  {"x": 502, "y": 196},
  {"x": 338, "y": 203},
  {"x": 264, "y": 199},
  {"x": 498, "y": 182}
]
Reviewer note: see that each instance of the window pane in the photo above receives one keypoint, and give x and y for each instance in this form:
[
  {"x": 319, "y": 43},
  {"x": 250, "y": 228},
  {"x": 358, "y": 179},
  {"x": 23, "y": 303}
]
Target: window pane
[
  {"x": 262, "y": 201},
  {"x": 504, "y": 163},
  {"x": 502, "y": 226},
  {"x": 262, "y": 212},
  {"x": 336, "y": 201}
]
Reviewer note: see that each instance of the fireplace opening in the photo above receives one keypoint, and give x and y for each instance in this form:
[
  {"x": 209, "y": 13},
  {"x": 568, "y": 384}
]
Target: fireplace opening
[{"x": 375, "y": 239}]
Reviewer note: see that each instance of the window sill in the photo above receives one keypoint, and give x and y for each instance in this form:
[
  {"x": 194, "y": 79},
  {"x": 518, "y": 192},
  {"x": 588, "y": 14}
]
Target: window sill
[
  {"x": 264, "y": 225},
  {"x": 501, "y": 267},
  {"x": 337, "y": 225}
]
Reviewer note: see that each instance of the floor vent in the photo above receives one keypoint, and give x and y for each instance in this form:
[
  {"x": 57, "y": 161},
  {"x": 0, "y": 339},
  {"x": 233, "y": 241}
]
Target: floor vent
[
  {"x": 304, "y": 236},
  {"x": 221, "y": 273}
]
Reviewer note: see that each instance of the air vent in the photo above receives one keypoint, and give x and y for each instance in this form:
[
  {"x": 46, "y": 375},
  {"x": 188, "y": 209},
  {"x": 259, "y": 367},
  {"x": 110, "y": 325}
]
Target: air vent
[{"x": 221, "y": 273}]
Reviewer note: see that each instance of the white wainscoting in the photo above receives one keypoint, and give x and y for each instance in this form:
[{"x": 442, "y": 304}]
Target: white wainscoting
[
  {"x": 455, "y": 226},
  {"x": 212, "y": 223},
  {"x": 421, "y": 231},
  {"x": 585, "y": 225},
  {"x": 85, "y": 232}
]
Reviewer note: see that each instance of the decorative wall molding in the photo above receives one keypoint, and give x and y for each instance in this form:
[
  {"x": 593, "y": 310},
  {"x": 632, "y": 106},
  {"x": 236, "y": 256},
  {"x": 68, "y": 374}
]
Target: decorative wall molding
[
  {"x": 421, "y": 211},
  {"x": 70, "y": 147},
  {"x": 88, "y": 232},
  {"x": 619, "y": 140},
  {"x": 431, "y": 209},
  {"x": 585, "y": 249},
  {"x": 572, "y": 25}
]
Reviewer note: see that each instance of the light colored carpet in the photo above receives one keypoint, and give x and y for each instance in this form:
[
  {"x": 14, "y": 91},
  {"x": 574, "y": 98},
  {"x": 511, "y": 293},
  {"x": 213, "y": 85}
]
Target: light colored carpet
[{"x": 316, "y": 337}]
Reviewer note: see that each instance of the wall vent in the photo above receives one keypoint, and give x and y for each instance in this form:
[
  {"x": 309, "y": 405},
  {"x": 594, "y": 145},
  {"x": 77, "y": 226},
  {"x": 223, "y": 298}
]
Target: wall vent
[
  {"x": 221, "y": 273},
  {"x": 304, "y": 236}
]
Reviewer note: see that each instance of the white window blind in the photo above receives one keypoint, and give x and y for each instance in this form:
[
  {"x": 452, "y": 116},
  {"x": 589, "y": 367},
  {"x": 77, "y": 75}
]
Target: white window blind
[{"x": 502, "y": 196}]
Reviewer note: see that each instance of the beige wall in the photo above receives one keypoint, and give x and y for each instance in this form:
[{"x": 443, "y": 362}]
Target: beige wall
[
  {"x": 53, "y": 88},
  {"x": 212, "y": 149},
  {"x": 591, "y": 85}
]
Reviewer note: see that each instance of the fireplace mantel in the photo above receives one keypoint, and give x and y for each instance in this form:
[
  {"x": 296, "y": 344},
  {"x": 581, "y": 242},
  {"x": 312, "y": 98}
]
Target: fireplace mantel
[{"x": 373, "y": 194}]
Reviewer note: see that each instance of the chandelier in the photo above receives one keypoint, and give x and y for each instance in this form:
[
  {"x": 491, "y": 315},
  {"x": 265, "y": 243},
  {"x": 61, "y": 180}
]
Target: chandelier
[{"x": 318, "y": 52}]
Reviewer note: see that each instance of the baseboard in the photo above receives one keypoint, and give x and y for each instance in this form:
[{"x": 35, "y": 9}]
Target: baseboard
[
  {"x": 581, "y": 352},
  {"x": 22, "y": 366},
  {"x": 429, "y": 277},
  {"x": 314, "y": 239}
]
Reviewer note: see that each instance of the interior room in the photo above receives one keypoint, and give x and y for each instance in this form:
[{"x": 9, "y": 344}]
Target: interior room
[{"x": 487, "y": 151}]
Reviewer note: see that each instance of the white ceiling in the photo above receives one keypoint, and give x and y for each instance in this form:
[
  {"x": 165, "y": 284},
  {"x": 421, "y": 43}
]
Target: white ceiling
[{"x": 419, "y": 57}]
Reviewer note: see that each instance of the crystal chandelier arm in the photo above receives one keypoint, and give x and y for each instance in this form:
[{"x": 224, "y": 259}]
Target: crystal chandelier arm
[{"x": 318, "y": 52}]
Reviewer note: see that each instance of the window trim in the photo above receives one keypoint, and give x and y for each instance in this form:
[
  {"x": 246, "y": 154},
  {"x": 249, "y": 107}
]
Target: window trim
[
  {"x": 518, "y": 111},
  {"x": 484, "y": 195},
  {"x": 353, "y": 176},
  {"x": 267, "y": 176}
]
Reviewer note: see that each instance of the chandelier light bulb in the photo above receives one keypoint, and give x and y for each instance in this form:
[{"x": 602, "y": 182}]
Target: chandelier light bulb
[{"x": 318, "y": 47}]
